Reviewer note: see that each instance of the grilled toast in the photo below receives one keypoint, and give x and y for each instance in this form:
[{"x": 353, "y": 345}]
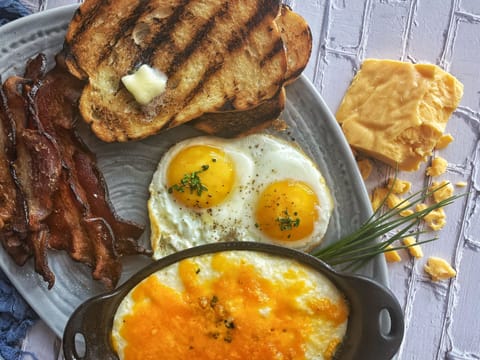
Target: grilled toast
[
  {"x": 297, "y": 39},
  {"x": 218, "y": 55},
  {"x": 239, "y": 123}
]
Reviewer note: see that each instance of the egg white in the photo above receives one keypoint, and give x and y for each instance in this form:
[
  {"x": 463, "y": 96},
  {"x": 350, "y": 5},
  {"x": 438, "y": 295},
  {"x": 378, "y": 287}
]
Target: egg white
[{"x": 259, "y": 160}]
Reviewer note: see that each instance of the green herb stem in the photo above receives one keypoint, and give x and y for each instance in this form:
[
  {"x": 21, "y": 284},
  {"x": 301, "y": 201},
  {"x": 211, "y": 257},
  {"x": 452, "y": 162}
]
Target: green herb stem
[{"x": 361, "y": 246}]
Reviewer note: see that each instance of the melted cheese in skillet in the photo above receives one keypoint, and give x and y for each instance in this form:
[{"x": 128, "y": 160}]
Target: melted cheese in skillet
[{"x": 231, "y": 305}]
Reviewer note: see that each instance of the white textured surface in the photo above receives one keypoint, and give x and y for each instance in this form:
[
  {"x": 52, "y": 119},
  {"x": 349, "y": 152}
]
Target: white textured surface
[{"x": 442, "y": 319}]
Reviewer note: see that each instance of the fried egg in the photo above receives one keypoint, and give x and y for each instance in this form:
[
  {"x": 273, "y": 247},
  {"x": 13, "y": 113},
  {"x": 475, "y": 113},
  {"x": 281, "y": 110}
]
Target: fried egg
[
  {"x": 255, "y": 188},
  {"x": 231, "y": 304}
]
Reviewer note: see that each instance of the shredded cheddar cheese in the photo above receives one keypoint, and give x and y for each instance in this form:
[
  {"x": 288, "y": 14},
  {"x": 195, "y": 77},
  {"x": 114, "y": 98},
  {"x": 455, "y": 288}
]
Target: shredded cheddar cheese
[
  {"x": 444, "y": 193},
  {"x": 392, "y": 255},
  {"x": 399, "y": 186},
  {"x": 438, "y": 167},
  {"x": 439, "y": 269},
  {"x": 378, "y": 197},
  {"x": 436, "y": 219},
  {"x": 444, "y": 141},
  {"x": 414, "y": 250}
]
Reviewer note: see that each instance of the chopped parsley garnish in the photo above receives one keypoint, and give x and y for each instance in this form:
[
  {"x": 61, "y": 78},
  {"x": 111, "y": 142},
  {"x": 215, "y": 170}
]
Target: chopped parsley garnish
[
  {"x": 191, "y": 181},
  {"x": 287, "y": 222}
]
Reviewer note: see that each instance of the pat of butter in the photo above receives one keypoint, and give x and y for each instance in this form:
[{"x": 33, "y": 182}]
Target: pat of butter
[
  {"x": 145, "y": 84},
  {"x": 397, "y": 111}
]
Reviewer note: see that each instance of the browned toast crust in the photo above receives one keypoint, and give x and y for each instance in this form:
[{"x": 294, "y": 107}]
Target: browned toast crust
[
  {"x": 235, "y": 123},
  {"x": 297, "y": 38}
]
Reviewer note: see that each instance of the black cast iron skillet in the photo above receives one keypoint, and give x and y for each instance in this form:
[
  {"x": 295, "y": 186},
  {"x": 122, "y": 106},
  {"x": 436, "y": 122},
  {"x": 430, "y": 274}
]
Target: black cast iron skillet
[{"x": 87, "y": 333}]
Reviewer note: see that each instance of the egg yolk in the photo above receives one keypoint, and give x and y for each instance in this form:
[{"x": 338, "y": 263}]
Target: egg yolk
[
  {"x": 287, "y": 210},
  {"x": 200, "y": 176},
  {"x": 238, "y": 315}
]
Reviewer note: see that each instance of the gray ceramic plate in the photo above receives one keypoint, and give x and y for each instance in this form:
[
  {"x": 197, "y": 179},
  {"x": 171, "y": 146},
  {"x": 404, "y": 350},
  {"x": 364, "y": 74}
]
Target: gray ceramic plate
[
  {"x": 87, "y": 334},
  {"x": 128, "y": 169}
]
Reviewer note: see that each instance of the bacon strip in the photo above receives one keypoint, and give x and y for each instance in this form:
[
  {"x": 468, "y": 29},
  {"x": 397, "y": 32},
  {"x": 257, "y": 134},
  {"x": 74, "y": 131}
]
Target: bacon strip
[
  {"x": 10, "y": 202},
  {"x": 56, "y": 196},
  {"x": 13, "y": 227},
  {"x": 93, "y": 183},
  {"x": 107, "y": 267},
  {"x": 86, "y": 184},
  {"x": 65, "y": 223},
  {"x": 7, "y": 186}
]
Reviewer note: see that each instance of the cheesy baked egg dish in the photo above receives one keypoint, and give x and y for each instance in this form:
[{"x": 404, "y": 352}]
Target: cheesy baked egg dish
[{"x": 231, "y": 305}]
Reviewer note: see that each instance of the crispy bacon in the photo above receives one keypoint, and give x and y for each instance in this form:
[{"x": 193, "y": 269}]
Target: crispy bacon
[
  {"x": 8, "y": 193},
  {"x": 7, "y": 186},
  {"x": 39, "y": 244},
  {"x": 57, "y": 98},
  {"x": 107, "y": 267},
  {"x": 86, "y": 183},
  {"x": 16, "y": 247},
  {"x": 13, "y": 221},
  {"x": 38, "y": 171},
  {"x": 65, "y": 223},
  {"x": 36, "y": 67},
  {"x": 93, "y": 184},
  {"x": 57, "y": 197},
  {"x": 35, "y": 166}
]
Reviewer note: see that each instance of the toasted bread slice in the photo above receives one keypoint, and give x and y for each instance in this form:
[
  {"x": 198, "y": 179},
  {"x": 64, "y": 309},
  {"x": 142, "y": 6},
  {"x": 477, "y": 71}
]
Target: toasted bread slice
[
  {"x": 216, "y": 54},
  {"x": 237, "y": 123},
  {"x": 297, "y": 39}
]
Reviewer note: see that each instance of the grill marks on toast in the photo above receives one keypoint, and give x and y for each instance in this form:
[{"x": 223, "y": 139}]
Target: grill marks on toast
[
  {"x": 263, "y": 8},
  {"x": 183, "y": 56},
  {"x": 277, "y": 47},
  {"x": 297, "y": 38},
  {"x": 209, "y": 37},
  {"x": 206, "y": 76},
  {"x": 125, "y": 26},
  {"x": 163, "y": 35},
  {"x": 234, "y": 42},
  {"x": 88, "y": 18}
]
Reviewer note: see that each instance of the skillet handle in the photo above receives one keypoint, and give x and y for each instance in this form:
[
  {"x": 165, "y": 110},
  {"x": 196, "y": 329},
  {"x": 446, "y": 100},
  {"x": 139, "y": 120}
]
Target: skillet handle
[
  {"x": 87, "y": 333},
  {"x": 377, "y": 323}
]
